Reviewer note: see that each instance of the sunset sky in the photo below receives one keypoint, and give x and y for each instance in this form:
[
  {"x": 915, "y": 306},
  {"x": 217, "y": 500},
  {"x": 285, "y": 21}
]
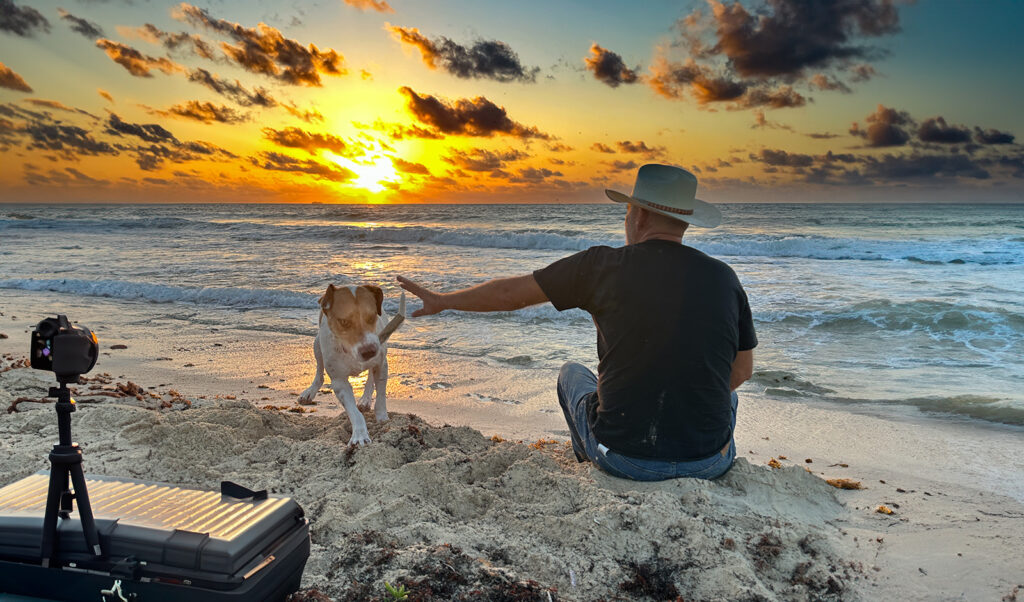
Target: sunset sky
[{"x": 528, "y": 101}]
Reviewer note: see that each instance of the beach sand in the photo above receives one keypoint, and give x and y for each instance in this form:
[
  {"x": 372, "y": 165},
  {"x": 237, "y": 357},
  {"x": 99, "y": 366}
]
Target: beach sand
[{"x": 487, "y": 501}]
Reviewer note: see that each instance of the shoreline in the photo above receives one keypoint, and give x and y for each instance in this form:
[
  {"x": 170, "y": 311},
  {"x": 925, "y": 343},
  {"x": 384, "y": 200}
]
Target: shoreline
[{"x": 957, "y": 530}]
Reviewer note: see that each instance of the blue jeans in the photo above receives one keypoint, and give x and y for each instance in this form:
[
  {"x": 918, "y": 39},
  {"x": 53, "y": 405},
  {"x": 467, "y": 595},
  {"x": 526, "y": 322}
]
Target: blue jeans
[{"x": 575, "y": 383}]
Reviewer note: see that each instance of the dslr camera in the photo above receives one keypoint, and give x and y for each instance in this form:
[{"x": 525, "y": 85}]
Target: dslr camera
[{"x": 67, "y": 351}]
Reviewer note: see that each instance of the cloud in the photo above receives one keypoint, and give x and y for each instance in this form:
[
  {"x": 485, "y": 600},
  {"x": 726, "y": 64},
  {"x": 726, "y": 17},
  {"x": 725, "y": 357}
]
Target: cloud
[
  {"x": 887, "y": 127},
  {"x": 21, "y": 20},
  {"x": 896, "y": 167},
  {"x": 135, "y": 62},
  {"x": 264, "y": 50},
  {"x": 601, "y": 148},
  {"x": 233, "y": 90},
  {"x": 105, "y": 94},
  {"x": 409, "y": 167},
  {"x": 862, "y": 72},
  {"x": 277, "y": 162},
  {"x": 79, "y": 25},
  {"x": 174, "y": 41},
  {"x": 639, "y": 146},
  {"x": 11, "y": 80},
  {"x": 673, "y": 80},
  {"x": 307, "y": 115},
  {"x": 152, "y": 157},
  {"x": 824, "y": 82},
  {"x": 760, "y": 121},
  {"x": 311, "y": 142},
  {"x": 558, "y": 147},
  {"x": 532, "y": 175},
  {"x": 485, "y": 59},
  {"x": 465, "y": 117},
  {"x": 54, "y": 104},
  {"x": 608, "y": 67},
  {"x": 780, "y": 158},
  {"x": 935, "y": 129},
  {"x": 149, "y": 132},
  {"x": 791, "y": 36},
  {"x": 67, "y": 139},
  {"x": 992, "y": 136},
  {"x": 480, "y": 159},
  {"x": 380, "y": 6},
  {"x": 623, "y": 165},
  {"x": 206, "y": 112}
]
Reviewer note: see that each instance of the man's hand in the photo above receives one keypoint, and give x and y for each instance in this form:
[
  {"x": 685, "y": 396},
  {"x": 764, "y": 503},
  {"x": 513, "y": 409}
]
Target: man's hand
[
  {"x": 501, "y": 294},
  {"x": 431, "y": 301}
]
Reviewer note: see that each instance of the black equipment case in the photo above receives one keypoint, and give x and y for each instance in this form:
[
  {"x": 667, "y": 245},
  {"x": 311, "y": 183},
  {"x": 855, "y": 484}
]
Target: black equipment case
[{"x": 158, "y": 543}]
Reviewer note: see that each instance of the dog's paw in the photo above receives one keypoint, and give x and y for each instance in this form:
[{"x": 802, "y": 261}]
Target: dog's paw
[
  {"x": 381, "y": 416},
  {"x": 359, "y": 438},
  {"x": 307, "y": 397},
  {"x": 365, "y": 402}
]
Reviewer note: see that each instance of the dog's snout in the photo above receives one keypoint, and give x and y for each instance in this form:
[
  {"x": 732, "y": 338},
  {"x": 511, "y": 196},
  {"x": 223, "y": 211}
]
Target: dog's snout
[{"x": 368, "y": 351}]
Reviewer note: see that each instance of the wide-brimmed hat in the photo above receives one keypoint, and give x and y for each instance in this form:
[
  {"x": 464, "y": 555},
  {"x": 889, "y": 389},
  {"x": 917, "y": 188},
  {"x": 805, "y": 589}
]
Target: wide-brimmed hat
[{"x": 670, "y": 191}]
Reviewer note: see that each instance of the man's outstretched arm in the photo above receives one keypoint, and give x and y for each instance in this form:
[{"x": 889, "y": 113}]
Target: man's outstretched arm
[{"x": 500, "y": 294}]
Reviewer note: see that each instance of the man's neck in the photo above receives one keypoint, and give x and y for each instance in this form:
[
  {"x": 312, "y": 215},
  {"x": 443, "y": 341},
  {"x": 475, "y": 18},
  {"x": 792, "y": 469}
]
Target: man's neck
[{"x": 676, "y": 238}]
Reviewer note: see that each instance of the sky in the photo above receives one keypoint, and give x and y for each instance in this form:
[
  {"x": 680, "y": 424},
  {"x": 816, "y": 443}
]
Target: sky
[{"x": 413, "y": 101}]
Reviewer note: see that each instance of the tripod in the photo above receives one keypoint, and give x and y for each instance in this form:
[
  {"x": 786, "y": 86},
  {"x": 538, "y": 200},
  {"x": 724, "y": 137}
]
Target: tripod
[{"x": 65, "y": 466}]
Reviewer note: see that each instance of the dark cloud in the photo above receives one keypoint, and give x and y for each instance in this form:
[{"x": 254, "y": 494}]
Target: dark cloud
[
  {"x": 206, "y": 112},
  {"x": 991, "y": 136},
  {"x": 135, "y": 62},
  {"x": 862, "y": 72},
  {"x": 480, "y": 159},
  {"x": 485, "y": 59},
  {"x": 380, "y": 6},
  {"x": 233, "y": 90},
  {"x": 67, "y": 139},
  {"x": 21, "y": 20},
  {"x": 935, "y": 129},
  {"x": 79, "y": 25},
  {"x": 409, "y": 167},
  {"x": 886, "y": 127},
  {"x": 307, "y": 115},
  {"x": 609, "y": 67},
  {"x": 54, "y": 104},
  {"x": 277, "y": 162},
  {"x": 601, "y": 148},
  {"x": 465, "y": 117},
  {"x": 149, "y": 132},
  {"x": 558, "y": 147},
  {"x": 673, "y": 80},
  {"x": 264, "y": 50},
  {"x": 81, "y": 177},
  {"x": 311, "y": 142},
  {"x": 903, "y": 167},
  {"x": 11, "y": 80},
  {"x": 623, "y": 165},
  {"x": 627, "y": 146},
  {"x": 176, "y": 41},
  {"x": 533, "y": 175},
  {"x": 780, "y": 158},
  {"x": 788, "y": 37},
  {"x": 821, "y": 135}
]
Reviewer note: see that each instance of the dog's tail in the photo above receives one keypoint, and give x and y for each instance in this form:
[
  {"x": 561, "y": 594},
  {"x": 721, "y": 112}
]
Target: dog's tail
[{"x": 395, "y": 322}]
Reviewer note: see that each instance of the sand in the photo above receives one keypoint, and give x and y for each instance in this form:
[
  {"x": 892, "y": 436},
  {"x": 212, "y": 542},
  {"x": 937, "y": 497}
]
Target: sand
[{"x": 442, "y": 505}]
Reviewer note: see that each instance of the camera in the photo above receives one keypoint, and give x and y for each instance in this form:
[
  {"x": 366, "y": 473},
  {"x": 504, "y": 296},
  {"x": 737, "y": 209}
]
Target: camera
[{"x": 67, "y": 351}]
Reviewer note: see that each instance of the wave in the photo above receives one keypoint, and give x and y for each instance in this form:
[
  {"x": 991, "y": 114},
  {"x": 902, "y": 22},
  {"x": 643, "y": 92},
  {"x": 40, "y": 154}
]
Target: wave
[
  {"x": 780, "y": 383},
  {"x": 245, "y": 298},
  {"x": 937, "y": 318}
]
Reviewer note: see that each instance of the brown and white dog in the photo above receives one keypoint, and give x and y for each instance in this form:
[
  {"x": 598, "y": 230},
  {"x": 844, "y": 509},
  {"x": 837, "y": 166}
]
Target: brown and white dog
[{"x": 351, "y": 340}]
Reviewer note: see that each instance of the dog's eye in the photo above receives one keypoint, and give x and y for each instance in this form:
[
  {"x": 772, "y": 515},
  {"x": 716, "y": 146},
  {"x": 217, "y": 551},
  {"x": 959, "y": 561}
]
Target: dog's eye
[
  {"x": 345, "y": 323},
  {"x": 370, "y": 319}
]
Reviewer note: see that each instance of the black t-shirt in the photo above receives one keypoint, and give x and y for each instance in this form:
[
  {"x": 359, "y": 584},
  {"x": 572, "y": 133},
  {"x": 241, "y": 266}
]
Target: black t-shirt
[{"x": 670, "y": 320}]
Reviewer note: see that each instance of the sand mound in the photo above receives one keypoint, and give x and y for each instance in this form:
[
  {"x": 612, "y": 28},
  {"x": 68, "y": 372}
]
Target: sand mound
[{"x": 451, "y": 514}]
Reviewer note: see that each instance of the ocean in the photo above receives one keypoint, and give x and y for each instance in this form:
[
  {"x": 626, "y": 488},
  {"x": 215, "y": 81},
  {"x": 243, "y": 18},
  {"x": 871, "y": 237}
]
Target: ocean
[{"x": 875, "y": 308}]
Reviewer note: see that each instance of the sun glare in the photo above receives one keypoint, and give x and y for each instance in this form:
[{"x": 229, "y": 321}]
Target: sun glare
[{"x": 370, "y": 175}]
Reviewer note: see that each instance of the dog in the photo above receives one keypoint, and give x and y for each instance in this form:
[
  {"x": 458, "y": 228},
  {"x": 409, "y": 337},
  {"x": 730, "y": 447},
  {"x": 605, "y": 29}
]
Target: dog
[{"x": 351, "y": 340}]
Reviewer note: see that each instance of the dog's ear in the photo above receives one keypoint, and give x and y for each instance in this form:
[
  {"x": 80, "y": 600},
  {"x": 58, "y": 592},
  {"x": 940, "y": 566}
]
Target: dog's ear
[
  {"x": 378, "y": 295},
  {"x": 328, "y": 298}
]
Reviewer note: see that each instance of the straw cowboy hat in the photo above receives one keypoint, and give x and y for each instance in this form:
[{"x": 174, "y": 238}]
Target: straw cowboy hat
[{"x": 670, "y": 191}]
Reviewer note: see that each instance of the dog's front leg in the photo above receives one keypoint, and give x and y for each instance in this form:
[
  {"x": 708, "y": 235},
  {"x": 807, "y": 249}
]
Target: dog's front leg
[
  {"x": 318, "y": 379},
  {"x": 366, "y": 399},
  {"x": 380, "y": 379},
  {"x": 343, "y": 391}
]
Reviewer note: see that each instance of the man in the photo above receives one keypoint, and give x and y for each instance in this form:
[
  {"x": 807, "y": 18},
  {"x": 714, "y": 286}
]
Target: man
[{"x": 674, "y": 336}]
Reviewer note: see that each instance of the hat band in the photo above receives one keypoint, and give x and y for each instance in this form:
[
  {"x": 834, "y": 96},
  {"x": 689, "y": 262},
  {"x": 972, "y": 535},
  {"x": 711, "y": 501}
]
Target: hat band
[{"x": 669, "y": 209}]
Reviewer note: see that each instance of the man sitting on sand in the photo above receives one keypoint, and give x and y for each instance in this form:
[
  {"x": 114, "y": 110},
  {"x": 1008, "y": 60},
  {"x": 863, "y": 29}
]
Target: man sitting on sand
[{"x": 674, "y": 336}]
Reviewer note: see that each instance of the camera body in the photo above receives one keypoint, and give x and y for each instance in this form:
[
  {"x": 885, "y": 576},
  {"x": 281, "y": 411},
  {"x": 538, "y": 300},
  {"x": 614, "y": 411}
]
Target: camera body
[{"x": 67, "y": 351}]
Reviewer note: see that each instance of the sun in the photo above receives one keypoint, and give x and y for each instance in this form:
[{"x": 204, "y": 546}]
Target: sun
[{"x": 371, "y": 174}]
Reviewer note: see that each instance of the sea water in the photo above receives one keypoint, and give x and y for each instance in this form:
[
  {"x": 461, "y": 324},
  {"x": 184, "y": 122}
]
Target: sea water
[{"x": 868, "y": 306}]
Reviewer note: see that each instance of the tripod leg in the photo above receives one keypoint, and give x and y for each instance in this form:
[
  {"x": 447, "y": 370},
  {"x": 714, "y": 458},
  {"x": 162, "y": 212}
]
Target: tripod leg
[
  {"x": 66, "y": 499},
  {"x": 92, "y": 538},
  {"x": 58, "y": 476}
]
